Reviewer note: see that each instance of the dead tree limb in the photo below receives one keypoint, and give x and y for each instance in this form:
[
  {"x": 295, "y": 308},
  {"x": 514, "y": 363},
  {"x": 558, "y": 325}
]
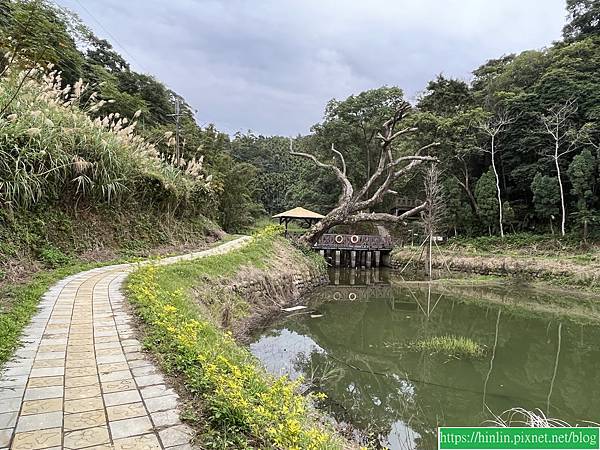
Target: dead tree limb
[{"x": 354, "y": 205}]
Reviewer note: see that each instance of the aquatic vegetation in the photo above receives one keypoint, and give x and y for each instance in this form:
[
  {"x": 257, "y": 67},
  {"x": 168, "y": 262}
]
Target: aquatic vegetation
[
  {"x": 457, "y": 346},
  {"x": 520, "y": 417},
  {"x": 236, "y": 394}
]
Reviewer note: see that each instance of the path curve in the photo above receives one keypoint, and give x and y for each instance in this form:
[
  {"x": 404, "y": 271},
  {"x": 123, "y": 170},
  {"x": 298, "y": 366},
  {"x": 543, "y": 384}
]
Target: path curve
[{"x": 80, "y": 380}]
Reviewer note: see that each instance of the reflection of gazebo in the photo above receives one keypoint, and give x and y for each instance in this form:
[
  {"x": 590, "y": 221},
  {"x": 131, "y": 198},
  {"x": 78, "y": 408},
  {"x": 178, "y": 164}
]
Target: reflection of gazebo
[{"x": 306, "y": 217}]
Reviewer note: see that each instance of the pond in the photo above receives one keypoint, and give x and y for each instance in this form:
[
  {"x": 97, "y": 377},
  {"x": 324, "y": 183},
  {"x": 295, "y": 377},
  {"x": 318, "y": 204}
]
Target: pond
[{"x": 354, "y": 343}]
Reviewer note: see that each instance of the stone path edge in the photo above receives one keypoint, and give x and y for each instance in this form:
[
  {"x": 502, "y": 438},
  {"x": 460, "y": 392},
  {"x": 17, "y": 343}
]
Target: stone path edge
[{"x": 80, "y": 380}]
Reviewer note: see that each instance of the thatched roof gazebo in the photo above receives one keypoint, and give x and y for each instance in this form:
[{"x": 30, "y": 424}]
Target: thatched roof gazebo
[{"x": 301, "y": 214}]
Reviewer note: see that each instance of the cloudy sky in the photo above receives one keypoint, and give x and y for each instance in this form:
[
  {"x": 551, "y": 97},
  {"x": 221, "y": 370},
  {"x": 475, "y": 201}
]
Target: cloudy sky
[{"x": 271, "y": 65}]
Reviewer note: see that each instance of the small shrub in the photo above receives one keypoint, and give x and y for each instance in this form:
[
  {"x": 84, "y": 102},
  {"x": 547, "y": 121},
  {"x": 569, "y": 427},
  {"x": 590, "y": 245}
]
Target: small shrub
[{"x": 53, "y": 257}]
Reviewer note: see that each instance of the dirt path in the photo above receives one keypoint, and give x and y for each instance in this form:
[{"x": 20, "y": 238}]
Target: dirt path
[{"x": 81, "y": 380}]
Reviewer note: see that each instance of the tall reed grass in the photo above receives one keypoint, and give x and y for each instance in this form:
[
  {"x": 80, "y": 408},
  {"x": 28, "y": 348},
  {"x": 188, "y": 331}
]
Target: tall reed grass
[{"x": 52, "y": 149}]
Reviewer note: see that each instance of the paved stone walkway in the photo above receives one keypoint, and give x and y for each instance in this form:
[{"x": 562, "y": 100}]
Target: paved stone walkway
[{"x": 80, "y": 380}]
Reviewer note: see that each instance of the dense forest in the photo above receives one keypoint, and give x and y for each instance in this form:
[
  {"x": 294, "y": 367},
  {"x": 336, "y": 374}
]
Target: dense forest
[{"x": 520, "y": 140}]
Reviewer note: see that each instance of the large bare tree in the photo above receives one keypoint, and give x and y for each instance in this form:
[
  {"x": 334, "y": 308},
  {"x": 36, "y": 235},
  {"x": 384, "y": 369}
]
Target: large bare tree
[
  {"x": 354, "y": 205},
  {"x": 557, "y": 123},
  {"x": 492, "y": 127}
]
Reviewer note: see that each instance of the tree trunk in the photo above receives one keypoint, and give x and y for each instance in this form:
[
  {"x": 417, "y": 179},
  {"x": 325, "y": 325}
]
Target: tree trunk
[
  {"x": 497, "y": 189},
  {"x": 562, "y": 194},
  {"x": 470, "y": 196}
]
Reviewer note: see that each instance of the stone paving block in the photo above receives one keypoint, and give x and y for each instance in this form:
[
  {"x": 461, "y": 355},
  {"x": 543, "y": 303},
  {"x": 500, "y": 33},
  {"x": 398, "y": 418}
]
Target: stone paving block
[
  {"x": 140, "y": 363},
  {"x": 11, "y": 393},
  {"x": 182, "y": 447},
  {"x": 81, "y": 381},
  {"x": 132, "y": 348},
  {"x": 84, "y": 404},
  {"x": 130, "y": 427},
  {"x": 5, "y": 435},
  {"x": 144, "y": 370},
  {"x": 120, "y": 398},
  {"x": 145, "y": 442},
  {"x": 74, "y": 393},
  {"x": 149, "y": 380},
  {"x": 43, "y": 421},
  {"x": 47, "y": 372},
  {"x": 45, "y": 382},
  {"x": 157, "y": 390},
  {"x": 134, "y": 355},
  {"x": 41, "y": 406},
  {"x": 19, "y": 370},
  {"x": 43, "y": 393},
  {"x": 162, "y": 403},
  {"x": 176, "y": 435},
  {"x": 127, "y": 411},
  {"x": 15, "y": 381},
  {"x": 52, "y": 348},
  {"x": 109, "y": 351},
  {"x": 118, "y": 386},
  {"x": 86, "y": 419},
  {"x": 86, "y": 437},
  {"x": 112, "y": 367},
  {"x": 48, "y": 363},
  {"x": 106, "y": 339},
  {"x": 33, "y": 440},
  {"x": 78, "y": 356},
  {"x": 166, "y": 418},
  {"x": 110, "y": 359},
  {"x": 74, "y": 372},
  {"x": 115, "y": 376},
  {"x": 74, "y": 363},
  {"x": 107, "y": 345},
  {"x": 8, "y": 419}
]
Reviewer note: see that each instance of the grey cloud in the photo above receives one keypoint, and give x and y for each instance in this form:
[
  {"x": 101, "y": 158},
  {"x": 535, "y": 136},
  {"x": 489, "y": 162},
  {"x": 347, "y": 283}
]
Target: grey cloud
[{"x": 271, "y": 65}]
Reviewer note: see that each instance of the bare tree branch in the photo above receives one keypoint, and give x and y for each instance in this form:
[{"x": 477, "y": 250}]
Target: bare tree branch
[
  {"x": 341, "y": 158},
  {"x": 347, "y": 189},
  {"x": 351, "y": 207},
  {"x": 384, "y": 217}
]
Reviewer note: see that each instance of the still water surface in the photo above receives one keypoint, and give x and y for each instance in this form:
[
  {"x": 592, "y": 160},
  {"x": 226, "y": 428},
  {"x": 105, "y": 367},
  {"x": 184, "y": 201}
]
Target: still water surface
[{"x": 351, "y": 342}]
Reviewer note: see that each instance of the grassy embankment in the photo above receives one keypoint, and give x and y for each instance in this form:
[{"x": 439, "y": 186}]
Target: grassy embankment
[
  {"x": 558, "y": 261},
  {"x": 37, "y": 251},
  {"x": 234, "y": 402},
  {"x": 77, "y": 189}
]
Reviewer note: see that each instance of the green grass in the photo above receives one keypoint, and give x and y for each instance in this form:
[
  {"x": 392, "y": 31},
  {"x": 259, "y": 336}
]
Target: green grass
[
  {"x": 236, "y": 403},
  {"x": 455, "y": 346},
  {"x": 519, "y": 241}
]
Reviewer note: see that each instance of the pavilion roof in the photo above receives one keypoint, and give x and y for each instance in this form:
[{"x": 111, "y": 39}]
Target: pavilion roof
[{"x": 299, "y": 213}]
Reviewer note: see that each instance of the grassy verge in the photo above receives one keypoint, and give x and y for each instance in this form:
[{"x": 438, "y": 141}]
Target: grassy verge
[
  {"x": 237, "y": 404},
  {"x": 561, "y": 262},
  {"x": 42, "y": 237}
]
